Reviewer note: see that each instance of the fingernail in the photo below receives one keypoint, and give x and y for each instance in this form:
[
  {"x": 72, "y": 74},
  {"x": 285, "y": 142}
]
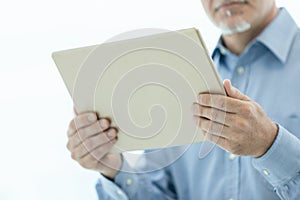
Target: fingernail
[
  {"x": 111, "y": 134},
  {"x": 103, "y": 123},
  {"x": 91, "y": 118}
]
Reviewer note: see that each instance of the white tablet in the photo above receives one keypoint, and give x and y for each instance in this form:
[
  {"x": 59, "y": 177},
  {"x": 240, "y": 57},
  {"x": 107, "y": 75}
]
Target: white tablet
[{"x": 145, "y": 85}]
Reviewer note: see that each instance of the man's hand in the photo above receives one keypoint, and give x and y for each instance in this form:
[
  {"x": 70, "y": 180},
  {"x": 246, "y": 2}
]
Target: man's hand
[
  {"x": 235, "y": 123},
  {"x": 90, "y": 140}
]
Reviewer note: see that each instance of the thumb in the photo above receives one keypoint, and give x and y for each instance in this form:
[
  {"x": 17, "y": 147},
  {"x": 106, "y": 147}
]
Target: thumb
[{"x": 233, "y": 92}]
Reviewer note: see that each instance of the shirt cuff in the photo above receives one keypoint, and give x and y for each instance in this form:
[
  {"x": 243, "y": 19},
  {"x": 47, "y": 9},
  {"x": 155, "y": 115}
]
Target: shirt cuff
[
  {"x": 281, "y": 162},
  {"x": 108, "y": 190}
]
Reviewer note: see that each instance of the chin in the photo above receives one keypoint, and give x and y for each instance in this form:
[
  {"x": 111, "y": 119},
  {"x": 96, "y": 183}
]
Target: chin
[{"x": 238, "y": 27}]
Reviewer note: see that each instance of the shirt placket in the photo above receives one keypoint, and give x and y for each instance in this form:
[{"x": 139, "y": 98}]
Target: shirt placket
[
  {"x": 233, "y": 176},
  {"x": 240, "y": 77}
]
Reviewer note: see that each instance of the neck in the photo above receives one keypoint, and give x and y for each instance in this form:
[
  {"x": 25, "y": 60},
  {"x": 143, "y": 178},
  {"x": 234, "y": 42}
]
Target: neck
[{"x": 237, "y": 42}]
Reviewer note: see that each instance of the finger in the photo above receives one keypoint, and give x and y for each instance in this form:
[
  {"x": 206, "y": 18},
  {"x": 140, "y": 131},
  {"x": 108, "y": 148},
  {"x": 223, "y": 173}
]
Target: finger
[
  {"x": 212, "y": 127},
  {"x": 213, "y": 114},
  {"x": 72, "y": 129},
  {"x": 85, "y": 119},
  {"x": 95, "y": 128},
  {"x": 93, "y": 142},
  {"x": 102, "y": 151},
  {"x": 234, "y": 92},
  {"x": 88, "y": 162},
  {"x": 73, "y": 142},
  {"x": 220, "y": 102},
  {"x": 218, "y": 140},
  {"x": 77, "y": 137},
  {"x": 92, "y": 159},
  {"x": 230, "y": 133}
]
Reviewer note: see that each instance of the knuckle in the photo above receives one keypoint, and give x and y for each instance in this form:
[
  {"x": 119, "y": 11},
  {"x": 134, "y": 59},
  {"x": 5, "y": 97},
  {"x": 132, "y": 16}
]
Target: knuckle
[
  {"x": 82, "y": 133},
  {"x": 214, "y": 114},
  {"x": 68, "y": 145},
  {"x": 77, "y": 123},
  {"x": 221, "y": 102},
  {"x": 73, "y": 155},
  {"x": 72, "y": 126},
  {"x": 247, "y": 110},
  {"x": 89, "y": 143}
]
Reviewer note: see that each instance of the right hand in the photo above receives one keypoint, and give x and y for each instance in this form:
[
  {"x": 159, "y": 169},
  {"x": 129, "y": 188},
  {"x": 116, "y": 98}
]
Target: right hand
[{"x": 90, "y": 140}]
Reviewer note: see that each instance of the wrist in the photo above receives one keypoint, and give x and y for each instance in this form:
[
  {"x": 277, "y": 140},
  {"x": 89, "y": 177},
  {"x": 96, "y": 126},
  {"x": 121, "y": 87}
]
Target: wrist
[
  {"x": 112, "y": 169},
  {"x": 272, "y": 137}
]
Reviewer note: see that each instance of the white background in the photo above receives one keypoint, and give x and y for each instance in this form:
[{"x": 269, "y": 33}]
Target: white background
[{"x": 35, "y": 107}]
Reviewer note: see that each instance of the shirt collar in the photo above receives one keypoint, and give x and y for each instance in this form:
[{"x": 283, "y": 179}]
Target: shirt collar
[
  {"x": 218, "y": 48},
  {"x": 283, "y": 27},
  {"x": 278, "y": 36}
]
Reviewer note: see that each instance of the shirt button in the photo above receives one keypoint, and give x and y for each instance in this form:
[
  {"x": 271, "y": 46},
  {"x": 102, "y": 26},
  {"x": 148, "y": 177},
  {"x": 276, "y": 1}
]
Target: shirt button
[
  {"x": 240, "y": 70},
  {"x": 120, "y": 192},
  {"x": 128, "y": 182},
  {"x": 231, "y": 199},
  {"x": 232, "y": 156},
  {"x": 266, "y": 172},
  {"x": 223, "y": 51}
]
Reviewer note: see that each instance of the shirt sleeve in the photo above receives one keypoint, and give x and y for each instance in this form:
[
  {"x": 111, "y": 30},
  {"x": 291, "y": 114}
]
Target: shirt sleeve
[
  {"x": 128, "y": 185},
  {"x": 280, "y": 165}
]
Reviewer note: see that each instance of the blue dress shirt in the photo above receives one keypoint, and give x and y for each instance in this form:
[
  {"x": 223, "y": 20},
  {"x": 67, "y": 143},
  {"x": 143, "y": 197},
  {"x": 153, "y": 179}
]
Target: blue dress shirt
[{"x": 268, "y": 71}]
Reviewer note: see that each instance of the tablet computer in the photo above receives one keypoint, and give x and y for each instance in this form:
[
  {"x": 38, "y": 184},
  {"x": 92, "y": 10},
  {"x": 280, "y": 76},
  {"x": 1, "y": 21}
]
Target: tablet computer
[{"x": 145, "y": 85}]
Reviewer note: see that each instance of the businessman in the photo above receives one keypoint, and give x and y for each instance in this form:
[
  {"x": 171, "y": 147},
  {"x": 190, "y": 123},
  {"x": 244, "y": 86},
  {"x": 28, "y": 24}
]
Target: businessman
[{"x": 256, "y": 127}]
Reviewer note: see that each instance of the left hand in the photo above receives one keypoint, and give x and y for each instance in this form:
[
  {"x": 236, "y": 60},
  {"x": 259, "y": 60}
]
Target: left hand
[{"x": 234, "y": 122}]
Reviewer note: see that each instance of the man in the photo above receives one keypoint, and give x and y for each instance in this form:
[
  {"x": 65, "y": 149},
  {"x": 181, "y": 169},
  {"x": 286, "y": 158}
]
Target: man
[{"x": 258, "y": 52}]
